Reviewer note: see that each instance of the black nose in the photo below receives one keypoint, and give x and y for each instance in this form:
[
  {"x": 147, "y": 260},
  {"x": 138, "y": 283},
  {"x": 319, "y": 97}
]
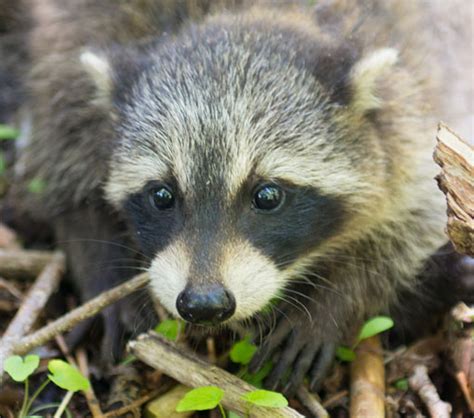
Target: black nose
[{"x": 209, "y": 305}]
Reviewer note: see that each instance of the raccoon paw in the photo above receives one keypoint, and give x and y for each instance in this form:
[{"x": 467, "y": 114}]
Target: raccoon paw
[{"x": 296, "y": 353}]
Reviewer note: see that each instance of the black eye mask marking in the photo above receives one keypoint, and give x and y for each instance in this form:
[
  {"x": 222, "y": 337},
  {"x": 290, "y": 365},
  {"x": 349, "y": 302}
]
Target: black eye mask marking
[{"x": 304, "y": 221}]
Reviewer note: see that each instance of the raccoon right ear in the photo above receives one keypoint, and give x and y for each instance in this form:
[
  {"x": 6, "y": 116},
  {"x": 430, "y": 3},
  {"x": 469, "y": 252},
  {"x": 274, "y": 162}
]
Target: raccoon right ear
[
  {"x": 366, "y": 76},
  {"x": 99, "y": 69}
]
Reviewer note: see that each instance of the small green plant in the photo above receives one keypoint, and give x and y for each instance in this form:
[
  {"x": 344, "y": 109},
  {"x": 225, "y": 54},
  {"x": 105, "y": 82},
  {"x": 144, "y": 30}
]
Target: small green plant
[
  {"x": 8, "y": 133},
  {"x": 266, "y": 399},
  {"x": 243, "y": 351},
  {"x": 66, "y": 377},
  {"x": 370, "y": 328},
  {"x": 170, "y": 328},
  {"x": 36, "y": 186},
  {"x": 3, "y": 164},
  {"x": 209, "y": 397},
  {"x": 62, "y": 374},
  {"x": 202, "y": 399},
  {"x": 401, "y": 384}
]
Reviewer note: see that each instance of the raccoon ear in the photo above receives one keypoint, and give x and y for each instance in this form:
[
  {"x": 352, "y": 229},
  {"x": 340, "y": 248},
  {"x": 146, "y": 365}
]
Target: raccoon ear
[
  {"x": 99, "y": 69},
  {"x": 365, "y": 76}
]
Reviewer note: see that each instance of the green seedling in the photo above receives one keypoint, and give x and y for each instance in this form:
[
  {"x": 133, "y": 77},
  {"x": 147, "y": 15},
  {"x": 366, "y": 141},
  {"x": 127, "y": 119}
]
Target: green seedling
[
  {"x": 243, "y": 351},
  {"x": 372, "y": 327},
  {"x": 401, "y": 384},
  {"x": 265, "y": 399},
  {"x": 169, "y": 328},
  {"x": 8, "y": 133},
  {"x": 36, "y": 186},
  {"x": 3, "y": 164},
  {"x": 68, "y": 378},
  {"x": 202, "y": 399},
  {"x": 20, "y": 369}
]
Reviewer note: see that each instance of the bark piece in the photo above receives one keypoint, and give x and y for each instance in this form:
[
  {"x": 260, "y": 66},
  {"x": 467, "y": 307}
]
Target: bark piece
[
  {"x": 368, "y": 380},
  {"x": 31, "y": 306},
  {"x": 184, "y": 366},
  {"x": 456, "y": 180}
]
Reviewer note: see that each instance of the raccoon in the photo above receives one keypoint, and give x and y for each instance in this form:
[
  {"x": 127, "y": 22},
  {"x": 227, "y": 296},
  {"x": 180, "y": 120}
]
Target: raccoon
[{"x": 265, "y": 162}]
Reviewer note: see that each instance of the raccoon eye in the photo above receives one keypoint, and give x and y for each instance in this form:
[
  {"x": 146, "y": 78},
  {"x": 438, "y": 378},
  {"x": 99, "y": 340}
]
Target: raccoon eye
[
  {"x": 268, "y": 197},
  {"x": 161, "y": 197}
]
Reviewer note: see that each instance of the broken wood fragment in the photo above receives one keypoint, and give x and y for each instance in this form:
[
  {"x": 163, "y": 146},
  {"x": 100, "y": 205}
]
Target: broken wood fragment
[
  {"x": 187, "y": 368},
  {"x": 456, "y": 180},
  {"x": 368, "y": 380}
]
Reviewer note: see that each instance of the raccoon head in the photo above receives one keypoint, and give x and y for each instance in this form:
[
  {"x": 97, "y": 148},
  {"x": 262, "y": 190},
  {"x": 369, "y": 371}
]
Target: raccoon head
[{"x": 240, "y": 158}]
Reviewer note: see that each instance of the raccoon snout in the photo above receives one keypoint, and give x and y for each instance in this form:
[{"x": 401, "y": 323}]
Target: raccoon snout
[{"x": 208, "y": 305}]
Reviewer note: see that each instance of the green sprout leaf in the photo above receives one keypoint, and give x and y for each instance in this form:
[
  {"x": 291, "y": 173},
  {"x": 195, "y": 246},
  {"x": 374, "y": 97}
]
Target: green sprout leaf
[
  {"x": 3, "y": 164},
  {"x": 169, "y": 328},
  {"x": 232, "y": 414},
  {"x": 345, "y": 354},
  {"x": 36, "y": 186},
  {"x": 256, "y": 379},
  {"x": 21, "y": 368},
  {"x": 266, "y": 398},
  {"x": 401, "y": 384},
  {"x": 375, "y": 326},
  {"x": 66, "y": 376},
  {"x": 200, "y": 399},
  {"x": 7, "y": 132},
  {"x": 243, "y": 351}
]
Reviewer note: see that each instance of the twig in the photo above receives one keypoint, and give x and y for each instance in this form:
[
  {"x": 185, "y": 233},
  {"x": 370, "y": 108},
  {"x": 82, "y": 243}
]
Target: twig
[
  {"x": 32, "y": 305},
  {"x": 92, "y": 401},
  {"x": 23, "y": 264},
  {"x": 309, "y": 400},
  {"x": 368, "y": 380},
  {"x": 420, "y": 382},
  {"x": 184, "y": 366},
  {"x": 88, "y": 310},
  {"x": 135, "y": 404}
]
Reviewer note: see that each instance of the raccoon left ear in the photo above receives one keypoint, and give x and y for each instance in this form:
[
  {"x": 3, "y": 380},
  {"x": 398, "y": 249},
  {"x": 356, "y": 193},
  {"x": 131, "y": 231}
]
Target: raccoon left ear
[
  {"x": 99, "y": 69},
  {"x": 365, "y": 76}
]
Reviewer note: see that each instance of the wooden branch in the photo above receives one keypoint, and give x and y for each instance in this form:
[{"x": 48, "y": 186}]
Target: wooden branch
[
  {"x": 420, "y": 382},
  {"x": 32, "y": 305},
  {"x": 185, "y": 367},
  {"x": 23, "y": 263},
  {"x": 72, "y": 318},
  {"x": 456, "y": 180},
  {"x": 368, "y": 380}
]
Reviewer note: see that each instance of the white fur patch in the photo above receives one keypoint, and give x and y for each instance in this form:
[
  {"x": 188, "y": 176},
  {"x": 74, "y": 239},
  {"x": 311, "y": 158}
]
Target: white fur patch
[
  {"x": 98, "y": 67},
  {"x": 365, "y": 75},
  {"x": 168, "y": 275},
  {"x": 252, "y": 278}
]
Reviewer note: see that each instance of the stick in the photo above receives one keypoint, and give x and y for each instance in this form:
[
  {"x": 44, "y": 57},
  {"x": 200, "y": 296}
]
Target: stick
[
  {"x": 79, "y": 314},
  {"x": 23, "y": 264},
  {"x": 368, "y": 380},
  {"x": 34, "y": 302},
  {"x": 92, "y": 401},
  {"x": 309, "y": 400},
  {"x": 456, "y": 180},
  {"x": 185, "y": 367},
  {"x": 420, "y": 382}
]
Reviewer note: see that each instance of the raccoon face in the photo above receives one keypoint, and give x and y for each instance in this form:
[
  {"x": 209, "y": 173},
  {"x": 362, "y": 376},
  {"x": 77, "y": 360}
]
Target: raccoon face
[{"x": 236, "y": 165}]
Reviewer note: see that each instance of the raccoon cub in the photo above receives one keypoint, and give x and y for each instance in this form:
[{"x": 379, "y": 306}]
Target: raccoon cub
[{"x": 264, "y": 161}]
